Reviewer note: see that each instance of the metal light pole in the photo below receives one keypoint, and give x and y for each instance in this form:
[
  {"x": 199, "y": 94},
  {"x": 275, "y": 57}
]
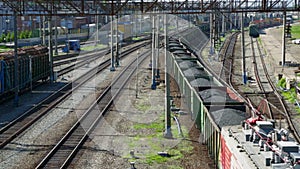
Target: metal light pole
[
  {"x": 97, "y": 28},
  {"x": 117, "y": 42},
  {"x": 50, "y": 49},
  {"x": 153, "y": 86},
  {"x": 243, "y": 50},
  {"x": 157, "y": 46},
  {"x": 168, "y": 132},
  {"x": 16, "y": 99},
  {"x": 137, "y": 79},
  {"x": 56, "y": 52},
  {"x": 112, "y": 68},
  {"x": 283, "y": 39},
  {"x": 44, "y": 29},
  {"x": 212, "y": 31}
]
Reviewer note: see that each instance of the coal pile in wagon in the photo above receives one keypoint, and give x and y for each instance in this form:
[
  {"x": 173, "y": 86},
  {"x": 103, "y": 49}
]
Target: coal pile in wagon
[
  {"x": 215, "y": 96},
  {"x": 200, "y": 82},
  {"x": 182, "y": 55},
  {"x": 177, "y": 48},
  {"x": 194, "y": 72},
  {"x": 187, "y": 64},
  {"x": 178, "y": 52},
  {"x": 228, "y": 117}
]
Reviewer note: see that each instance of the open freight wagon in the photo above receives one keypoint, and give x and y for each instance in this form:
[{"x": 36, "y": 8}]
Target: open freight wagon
[{"x": 33, "y": 67}]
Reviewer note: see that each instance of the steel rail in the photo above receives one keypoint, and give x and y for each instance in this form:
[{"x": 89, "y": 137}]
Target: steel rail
[
  {"x": 20, "y": 124},
  {"x": 58, "y": 151},
  {"x": 257, "y": 76},
  {"x": 286, "y": 113}
]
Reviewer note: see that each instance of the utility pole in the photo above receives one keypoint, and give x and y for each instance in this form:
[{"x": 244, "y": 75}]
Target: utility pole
[
  {"x": 243, "y": 50},
  {"x": 97, "y": 28},
  {"x": 168, "y": 131},
  {"x": 50, "y": 48},
  {"x": 212, "y": 30},
  {"x": 112, "y": 68},
  {"x": 16, "y": 72},
  {"x": 283, "y": 39},
  {"x": 153, "y": 86},
  {"x": 44, "y": 31},
  {"x": 157, "y": 46},
  {"x": 117, "y": 42},
  {"x": 56, "y": 52},
  {"x": 137, "y": 71}
]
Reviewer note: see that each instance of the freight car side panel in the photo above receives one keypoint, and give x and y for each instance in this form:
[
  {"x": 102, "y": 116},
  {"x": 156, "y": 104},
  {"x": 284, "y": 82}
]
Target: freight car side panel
[
  {"x": 1, "y": 76},
  {"x": 225, "y": 155},
  {"x": 230, "y": 155},
  {"x": 40, "y": 68}
]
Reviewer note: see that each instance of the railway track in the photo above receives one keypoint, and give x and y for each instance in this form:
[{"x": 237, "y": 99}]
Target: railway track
[
  {"x": 82, "y": 60},
  {"x": 76, "y": 61},
  {"x": 274, "y": 98},
  {"x": 278, "y": 108},
  {"x": 65, "y": 150},
  {"x": 265, "y": 84},
  {"x": 19, "y": 125},
  {"x": 226, "y": 55},
  {"x": 71, "y": 57}
]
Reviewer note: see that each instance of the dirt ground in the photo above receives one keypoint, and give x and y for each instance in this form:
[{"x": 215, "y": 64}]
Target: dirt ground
[{"x": 133, "y": 132}]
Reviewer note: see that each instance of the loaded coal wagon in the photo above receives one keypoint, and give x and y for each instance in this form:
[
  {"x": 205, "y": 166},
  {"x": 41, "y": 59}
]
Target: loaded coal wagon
[
  {"x": 210, "y": 103},
  {"x": 33, "y": 67}
]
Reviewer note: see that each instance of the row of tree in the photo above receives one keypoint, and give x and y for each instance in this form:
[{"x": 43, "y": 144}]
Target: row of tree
[{"x": 9, "y": 36}]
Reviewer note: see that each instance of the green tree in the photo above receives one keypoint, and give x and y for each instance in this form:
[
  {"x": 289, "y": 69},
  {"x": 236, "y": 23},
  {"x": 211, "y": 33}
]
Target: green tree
[
  {"x": 12, "y": 36},
  {"x": 7, "y": 37},
  {"x": 2, "y": 38}
]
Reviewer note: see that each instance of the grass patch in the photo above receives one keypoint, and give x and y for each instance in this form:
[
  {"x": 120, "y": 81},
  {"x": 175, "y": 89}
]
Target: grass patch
[
  {"x": 290, "y": 95},
  {"x": 222, "y": 39},
  {"x": 259, "y": 41},
  {"x": 157, "y": 126},
  {"x": 4, "y": 49},
  {"x": 282, "y": 83},
  {"x": 136, "y": 38},
  {"x": 295, "y": 30},
  {"x": 155, "y": 143},
  {"x": 298, "y": 110},
  {"x": 174, "y": 167},
  {"x": 175, "y": 153},
  {"x": 142, "y": 106}
]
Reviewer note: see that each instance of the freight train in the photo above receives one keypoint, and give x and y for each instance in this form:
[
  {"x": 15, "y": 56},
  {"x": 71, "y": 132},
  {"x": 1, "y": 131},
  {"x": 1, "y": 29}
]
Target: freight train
[
  {"x": 33, "y": 67},
  {"x": 266, "y": 23},
  {"x": 253, "y": 31},
  {"x": 233, "y": 139},
  {"x": 256, "y": 25}
]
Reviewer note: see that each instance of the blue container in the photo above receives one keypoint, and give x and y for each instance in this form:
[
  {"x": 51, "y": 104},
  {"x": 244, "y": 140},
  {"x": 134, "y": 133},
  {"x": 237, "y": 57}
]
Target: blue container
[{"x": 72, "y": 45}]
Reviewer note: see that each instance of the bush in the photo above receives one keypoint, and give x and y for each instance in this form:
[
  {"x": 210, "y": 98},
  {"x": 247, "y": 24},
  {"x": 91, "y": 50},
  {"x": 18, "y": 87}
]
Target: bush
[
  {"x": 282, "y": 83},
  {"x": 29, "y": 34}
]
